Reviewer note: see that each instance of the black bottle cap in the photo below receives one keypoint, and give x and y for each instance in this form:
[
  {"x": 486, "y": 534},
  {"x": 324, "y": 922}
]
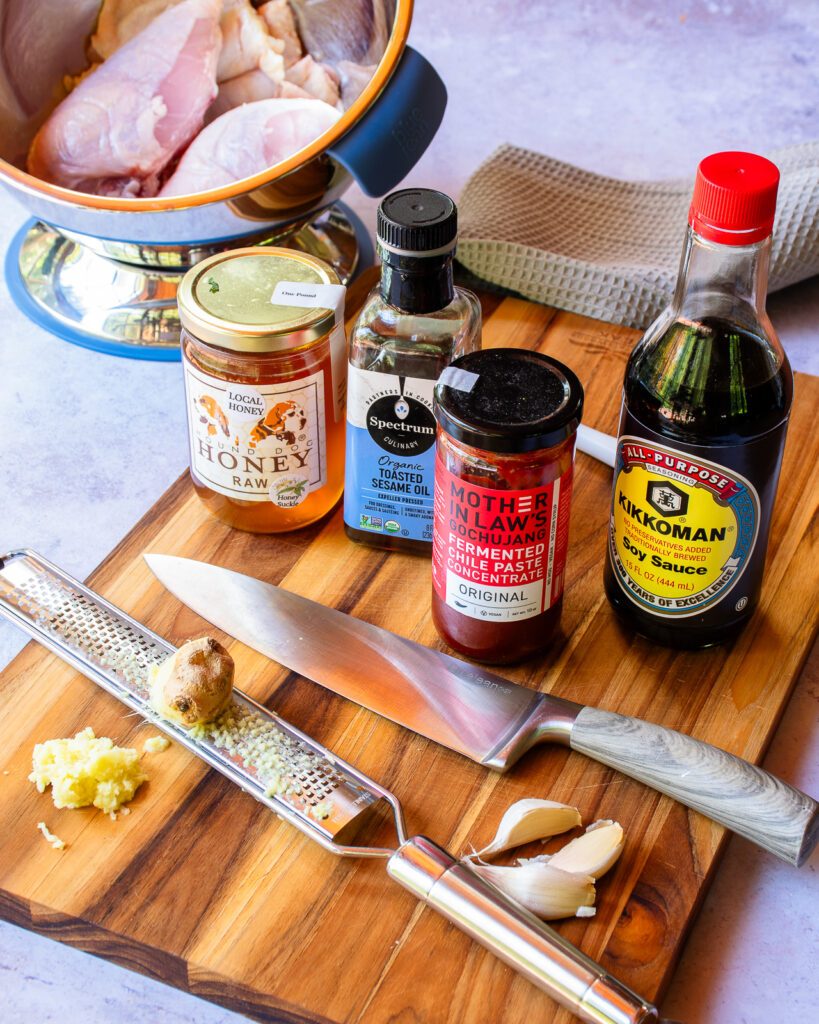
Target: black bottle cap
[
  {"x": 417, "y": 221},
  {"x": 520, "y": 401}
]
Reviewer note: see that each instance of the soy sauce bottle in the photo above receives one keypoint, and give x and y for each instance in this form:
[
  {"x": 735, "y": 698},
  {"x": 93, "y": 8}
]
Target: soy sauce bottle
[
  {"x": 412, "y": 326},
  {"x": 706, "y": 401}
]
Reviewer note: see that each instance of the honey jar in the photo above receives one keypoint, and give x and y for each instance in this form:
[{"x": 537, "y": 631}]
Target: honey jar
[
  {"x": 264, "y": 362},
  {"x": 507, "y": 420}
]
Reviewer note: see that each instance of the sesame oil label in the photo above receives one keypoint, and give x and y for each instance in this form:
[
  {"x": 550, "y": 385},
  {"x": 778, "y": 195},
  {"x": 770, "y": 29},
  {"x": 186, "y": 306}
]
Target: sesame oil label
[
  {"x": 263, "y": 442},
  {"x": 682, "y": 529},
  {"x": 499, "y": 555},
  {"x": 390, "y": 454}
]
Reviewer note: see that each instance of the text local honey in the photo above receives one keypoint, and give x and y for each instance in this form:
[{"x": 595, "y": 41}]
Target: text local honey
[{"x": 263, "y": 352}]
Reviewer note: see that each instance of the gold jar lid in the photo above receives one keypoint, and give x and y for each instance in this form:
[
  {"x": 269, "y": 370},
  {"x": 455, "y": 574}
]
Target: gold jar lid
[{"x": 226, "y": 300}]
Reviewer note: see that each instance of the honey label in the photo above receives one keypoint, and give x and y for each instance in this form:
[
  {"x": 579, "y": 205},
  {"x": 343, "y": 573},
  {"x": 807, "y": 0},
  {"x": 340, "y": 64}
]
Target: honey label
[
  {"x": 262, "y": 442},
  {"x": 499, "y": 555},
  {"x": 682, "y": 528},
  {"x": 309, "y": 295}
]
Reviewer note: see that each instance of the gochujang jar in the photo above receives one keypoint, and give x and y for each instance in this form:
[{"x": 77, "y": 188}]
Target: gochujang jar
[
  {"x": 264, "y": 361},
  {"x": 507, "y": 420}
]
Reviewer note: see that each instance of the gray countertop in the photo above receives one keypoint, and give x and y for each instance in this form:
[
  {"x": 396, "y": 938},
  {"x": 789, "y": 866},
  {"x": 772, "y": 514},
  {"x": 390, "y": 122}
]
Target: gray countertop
[{"x": 630, "y": 89}]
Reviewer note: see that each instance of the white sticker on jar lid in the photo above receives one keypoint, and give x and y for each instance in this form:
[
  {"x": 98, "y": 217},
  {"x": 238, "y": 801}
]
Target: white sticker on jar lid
[
  {"x": 310, "y": 296},
  {"x": 460, "y": 380},
  {"x": 322, "y": 296}
]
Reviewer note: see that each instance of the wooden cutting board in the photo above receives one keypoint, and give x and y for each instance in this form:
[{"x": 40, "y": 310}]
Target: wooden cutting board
[{"x": 205, "y": 889}]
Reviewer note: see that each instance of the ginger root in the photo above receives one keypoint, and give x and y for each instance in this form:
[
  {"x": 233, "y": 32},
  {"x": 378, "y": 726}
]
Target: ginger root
[{"x": 194, "y": 686}]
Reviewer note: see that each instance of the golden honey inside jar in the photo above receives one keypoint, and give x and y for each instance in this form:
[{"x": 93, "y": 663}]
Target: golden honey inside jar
[{"x": 264, "y": 361}]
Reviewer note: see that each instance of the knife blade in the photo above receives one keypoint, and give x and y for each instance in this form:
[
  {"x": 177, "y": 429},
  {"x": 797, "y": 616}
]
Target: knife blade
[{"x": 481, "y": 714}]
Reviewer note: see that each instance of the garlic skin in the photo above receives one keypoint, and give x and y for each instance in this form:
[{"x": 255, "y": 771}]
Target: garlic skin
[
  {"x": 594, "y": 852},
  {"x": 548, "y": 892},
  {"x": 527, "y": 820},
  {"x": 556, "y": 885},
  {"x": 195, "y": 684}
]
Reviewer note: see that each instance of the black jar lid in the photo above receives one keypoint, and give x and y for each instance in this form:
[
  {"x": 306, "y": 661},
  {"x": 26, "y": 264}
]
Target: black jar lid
[
  {"x": 521, "y": 401},
  {"x": 417, "y": 222}
]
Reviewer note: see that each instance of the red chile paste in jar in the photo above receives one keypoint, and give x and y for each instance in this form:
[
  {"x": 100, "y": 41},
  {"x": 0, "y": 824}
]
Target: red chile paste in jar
[{"x": 507, "y": 420}]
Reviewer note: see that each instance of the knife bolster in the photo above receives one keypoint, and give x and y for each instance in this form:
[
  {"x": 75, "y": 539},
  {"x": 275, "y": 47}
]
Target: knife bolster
[{"x": 548, "y": 720}]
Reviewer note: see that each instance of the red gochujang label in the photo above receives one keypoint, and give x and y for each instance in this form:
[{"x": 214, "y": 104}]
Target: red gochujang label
[{"x": 499, "y": 555}]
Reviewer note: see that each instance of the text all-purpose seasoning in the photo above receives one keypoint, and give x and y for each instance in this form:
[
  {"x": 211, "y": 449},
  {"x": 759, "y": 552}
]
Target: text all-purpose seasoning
[
  {"x": 507, "y": 420},
  {"x": 264, "y": 361}
]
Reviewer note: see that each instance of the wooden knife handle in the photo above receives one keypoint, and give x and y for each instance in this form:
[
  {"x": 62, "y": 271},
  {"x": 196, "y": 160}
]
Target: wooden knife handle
[{"x": 738, "y": 795}]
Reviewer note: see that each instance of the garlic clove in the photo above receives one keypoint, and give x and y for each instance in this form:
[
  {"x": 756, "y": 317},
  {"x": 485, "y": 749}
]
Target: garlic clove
[
  {"x": 594, "y": 852},
  {"x": 548, "y": 892},
  {"x": 530, "y": 819}
]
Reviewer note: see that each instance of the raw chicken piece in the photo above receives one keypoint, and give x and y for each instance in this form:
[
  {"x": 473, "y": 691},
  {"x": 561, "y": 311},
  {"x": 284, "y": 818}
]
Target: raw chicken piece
[
  {"x": 354, "y": 79},
  {"x": 288, "y": 91},
  {"x": 278, "y": 16},
  {"x": 247, "y": 88},
  {"x": 304, "y": 79},
  {"x": 120, "y": 127},
  {"x": 315, "y": 79},
  {"x": 248, "y": 140},
  {"x": 247, "y": 44},
  {"x": 121, "y": 20}
]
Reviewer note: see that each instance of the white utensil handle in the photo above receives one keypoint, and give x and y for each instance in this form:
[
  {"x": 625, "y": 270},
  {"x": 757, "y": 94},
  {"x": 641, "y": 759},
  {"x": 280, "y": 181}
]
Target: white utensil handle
[
  {"x": 597, "y": 444},
  {"x": 739, "y": 795},
  {"x": 509, "y": 931}
]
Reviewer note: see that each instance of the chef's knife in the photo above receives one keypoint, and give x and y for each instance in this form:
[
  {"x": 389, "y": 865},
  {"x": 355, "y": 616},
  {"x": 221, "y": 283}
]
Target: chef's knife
[
  {"x": 482, "y": 715},
  {"x": 117, "y": 652}
]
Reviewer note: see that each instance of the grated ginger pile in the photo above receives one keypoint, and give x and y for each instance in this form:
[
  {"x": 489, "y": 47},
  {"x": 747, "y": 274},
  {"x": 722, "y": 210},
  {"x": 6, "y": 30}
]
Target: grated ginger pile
[{"x": 87, "y": 770}]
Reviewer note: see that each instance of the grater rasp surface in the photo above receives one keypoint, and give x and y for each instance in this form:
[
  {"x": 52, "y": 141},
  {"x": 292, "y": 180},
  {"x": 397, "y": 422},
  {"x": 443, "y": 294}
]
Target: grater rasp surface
[{"x": 270, "y": 759}]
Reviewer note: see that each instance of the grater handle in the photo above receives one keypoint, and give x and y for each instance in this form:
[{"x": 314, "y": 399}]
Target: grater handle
[{"x": 509, "y": 931}]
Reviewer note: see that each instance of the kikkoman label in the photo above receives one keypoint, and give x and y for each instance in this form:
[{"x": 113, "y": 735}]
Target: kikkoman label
[
  {"x": 682, "y": 529},
  {"x": 263, "y": 442}
]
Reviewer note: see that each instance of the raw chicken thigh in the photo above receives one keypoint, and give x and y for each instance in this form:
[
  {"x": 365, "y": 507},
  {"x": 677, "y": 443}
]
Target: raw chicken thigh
[
  {"x": 246, "y": 42},
  {"x": 313, "y": 79},
  {"x": 305, "y": 79},
  {"x": 278, "y": 16},
  {"x": 121, "y": 20},
  {"x": 120, "y": 127},
  {"x": 247, "y": 88},
  {"x": 247, "y": 45},
  {"x": 248, "y": 140}
]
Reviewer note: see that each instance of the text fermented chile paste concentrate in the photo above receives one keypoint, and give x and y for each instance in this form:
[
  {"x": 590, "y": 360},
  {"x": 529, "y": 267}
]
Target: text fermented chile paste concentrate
[{"x": 507, "y": 420}]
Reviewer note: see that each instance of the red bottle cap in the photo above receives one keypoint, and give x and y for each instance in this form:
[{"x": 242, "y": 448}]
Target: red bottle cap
[{"x": 734, "y": 198}]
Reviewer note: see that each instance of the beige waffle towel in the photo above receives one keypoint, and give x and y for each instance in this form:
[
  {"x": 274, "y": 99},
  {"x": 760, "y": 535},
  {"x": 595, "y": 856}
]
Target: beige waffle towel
[{"x": 606, "y": 248}]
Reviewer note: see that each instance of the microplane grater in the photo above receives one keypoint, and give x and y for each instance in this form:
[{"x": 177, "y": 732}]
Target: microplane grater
[{"x": 328, "y": 797}]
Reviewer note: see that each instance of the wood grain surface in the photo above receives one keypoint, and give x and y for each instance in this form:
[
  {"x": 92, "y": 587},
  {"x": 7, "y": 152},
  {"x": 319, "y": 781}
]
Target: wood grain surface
[{"x": 205, "y": 889}]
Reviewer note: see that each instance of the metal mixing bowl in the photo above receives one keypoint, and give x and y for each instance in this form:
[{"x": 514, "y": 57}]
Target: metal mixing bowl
[{"x": 134, "y": 248}]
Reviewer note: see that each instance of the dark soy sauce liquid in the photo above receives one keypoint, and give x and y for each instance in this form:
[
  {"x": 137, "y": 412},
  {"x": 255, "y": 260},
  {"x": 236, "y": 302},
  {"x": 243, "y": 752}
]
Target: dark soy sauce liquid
[
  {"x": 719, "y": 390},
  {"x": 708, "y": 383}
]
